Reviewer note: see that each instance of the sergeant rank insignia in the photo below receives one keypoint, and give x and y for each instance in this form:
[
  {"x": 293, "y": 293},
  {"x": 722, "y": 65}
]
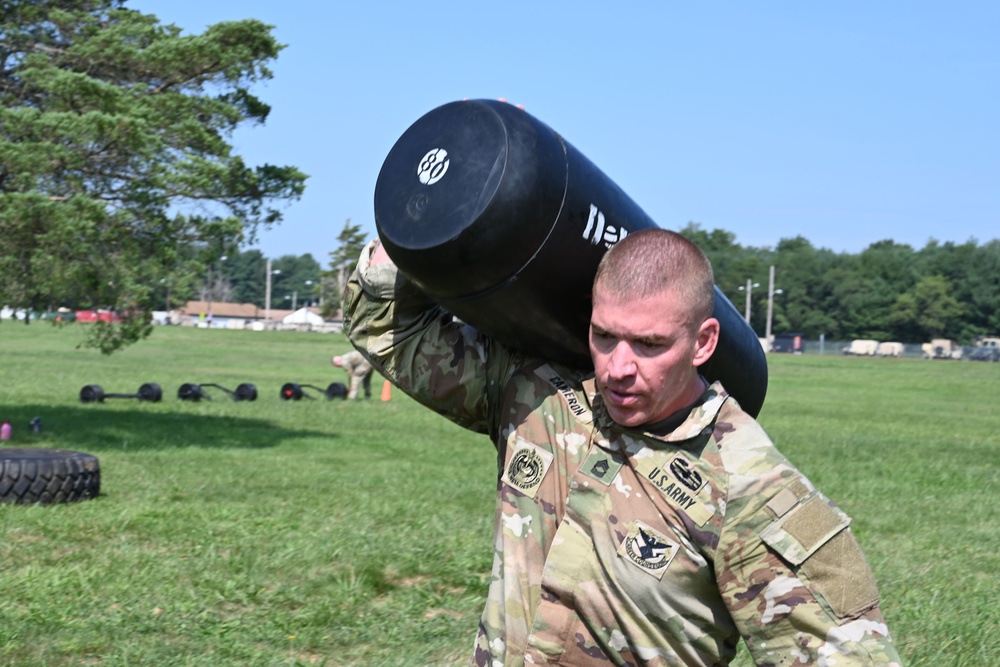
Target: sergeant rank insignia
[
  {"x": 648, "y": 549},
  {"x": 600, "y": 466}
]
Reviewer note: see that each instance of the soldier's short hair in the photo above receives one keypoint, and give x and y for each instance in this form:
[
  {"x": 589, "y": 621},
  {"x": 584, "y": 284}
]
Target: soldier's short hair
[{"x": 652, "y": 261}]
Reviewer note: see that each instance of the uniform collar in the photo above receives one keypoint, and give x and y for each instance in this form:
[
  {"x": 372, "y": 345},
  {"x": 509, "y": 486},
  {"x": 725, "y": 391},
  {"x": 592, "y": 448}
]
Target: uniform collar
[{"x": 699, "y": 420}]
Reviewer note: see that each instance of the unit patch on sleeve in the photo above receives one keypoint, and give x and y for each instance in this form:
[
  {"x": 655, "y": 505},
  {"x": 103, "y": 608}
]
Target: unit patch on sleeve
[
  {"x": 526, "y": 468},
  {"x": 648, "y": 549}
]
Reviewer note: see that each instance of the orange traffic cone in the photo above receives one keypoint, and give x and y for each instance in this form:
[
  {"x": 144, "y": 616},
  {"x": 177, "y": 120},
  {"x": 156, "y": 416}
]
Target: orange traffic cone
[{"x": 386, "y": 390}]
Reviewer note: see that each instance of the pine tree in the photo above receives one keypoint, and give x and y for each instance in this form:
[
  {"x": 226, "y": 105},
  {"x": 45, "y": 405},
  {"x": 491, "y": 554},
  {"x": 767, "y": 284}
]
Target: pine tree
[{"x": 115, "y": 158}]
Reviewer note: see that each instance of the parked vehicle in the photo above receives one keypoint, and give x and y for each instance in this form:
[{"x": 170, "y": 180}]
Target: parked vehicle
[
  {"x": 984, "y": 354},
  {"x": 891, "y": 349},
  {"x": 862, "y": 347},
  {"x": 942, "y": 348},
  {"x": 793, "y": 343},
  {"x": 987, "y": 349}
]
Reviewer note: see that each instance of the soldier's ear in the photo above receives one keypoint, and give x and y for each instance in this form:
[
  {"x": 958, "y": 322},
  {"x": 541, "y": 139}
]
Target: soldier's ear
[{"x": 706, "y": 340}]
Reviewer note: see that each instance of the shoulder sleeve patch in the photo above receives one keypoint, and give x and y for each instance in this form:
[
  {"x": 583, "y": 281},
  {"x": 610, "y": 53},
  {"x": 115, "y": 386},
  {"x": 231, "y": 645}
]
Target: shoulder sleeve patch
[{"x": 814, "y": 537}]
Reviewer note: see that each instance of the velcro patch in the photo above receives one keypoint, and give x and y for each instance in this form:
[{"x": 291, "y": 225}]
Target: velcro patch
[
  {"x": 526, "y": 467},
  {"x": 648, "y": 549},
  {"x": 782, "y": 502},
  {"x": 805, "y": 528},
  {"x": 840, "y": 572},
  {"x": 814, "y": 536}
]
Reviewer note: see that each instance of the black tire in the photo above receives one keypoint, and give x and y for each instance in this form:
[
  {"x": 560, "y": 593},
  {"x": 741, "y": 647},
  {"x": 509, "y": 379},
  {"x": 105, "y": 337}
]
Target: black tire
[
  {"x": 246, "y": 392},
  {"x": 189, "y": 391},
  {"x": 150, "y": 392},
  {"x": 336, "y": 390},
  {"x": 48, "y": 476},
  {"x": 92, "y": 393},
  {"x": 291, "y": 392}
]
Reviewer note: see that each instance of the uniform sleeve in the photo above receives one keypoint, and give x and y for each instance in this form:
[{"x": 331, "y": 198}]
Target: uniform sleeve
[
  {"x": 446, "y": 365},
  {"x": 794, "y": 578}
]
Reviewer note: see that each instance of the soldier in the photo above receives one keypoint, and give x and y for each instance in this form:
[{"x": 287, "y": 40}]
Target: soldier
[
  {"x": 359, "y": 372},
  {"x": 643, "y": 518}
]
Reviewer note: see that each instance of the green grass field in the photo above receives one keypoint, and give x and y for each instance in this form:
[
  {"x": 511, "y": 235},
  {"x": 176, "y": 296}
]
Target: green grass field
[{"x": 329, "y": 533}]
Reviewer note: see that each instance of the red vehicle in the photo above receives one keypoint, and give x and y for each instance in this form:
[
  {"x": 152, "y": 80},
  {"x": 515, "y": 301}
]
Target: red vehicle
[{"x": 97, "y": 315}]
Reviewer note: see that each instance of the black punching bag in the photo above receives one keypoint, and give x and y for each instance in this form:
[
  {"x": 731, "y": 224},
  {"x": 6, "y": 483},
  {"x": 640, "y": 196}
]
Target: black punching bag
[{"x": 501, "y": 221}]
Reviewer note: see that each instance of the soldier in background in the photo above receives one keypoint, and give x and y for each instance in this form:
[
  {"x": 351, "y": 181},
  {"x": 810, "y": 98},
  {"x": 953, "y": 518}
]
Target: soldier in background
[
  {"x": 359, "y": 372},
  {"x": 643, "y": 518}
]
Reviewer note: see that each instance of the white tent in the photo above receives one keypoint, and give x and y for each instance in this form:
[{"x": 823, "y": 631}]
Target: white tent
[{"x": 302, "y": 316}]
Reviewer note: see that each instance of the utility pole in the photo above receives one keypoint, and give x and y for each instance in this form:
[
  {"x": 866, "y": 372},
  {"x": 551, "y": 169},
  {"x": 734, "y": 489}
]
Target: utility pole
[
  {"x": 770, "y": 306},
  {"x": 211, "y": 287},
  {"x": 749, "y": 290},
  {"x": 210, "y": 294},
  {"x": 267, "y": 296}
]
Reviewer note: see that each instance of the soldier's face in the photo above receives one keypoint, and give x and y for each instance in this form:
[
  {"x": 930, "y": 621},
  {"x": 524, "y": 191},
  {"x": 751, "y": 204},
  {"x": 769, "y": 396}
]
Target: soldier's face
[{"x": 646, "y": 353}]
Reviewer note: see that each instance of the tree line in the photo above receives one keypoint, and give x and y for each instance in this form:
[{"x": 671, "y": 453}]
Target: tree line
[{"x": 888, "y": 291}]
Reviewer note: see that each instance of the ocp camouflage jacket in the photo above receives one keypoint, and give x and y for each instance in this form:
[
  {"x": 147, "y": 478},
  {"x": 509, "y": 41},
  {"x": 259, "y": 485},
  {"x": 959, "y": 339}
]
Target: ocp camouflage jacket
[{"x": 616, "y": 546}]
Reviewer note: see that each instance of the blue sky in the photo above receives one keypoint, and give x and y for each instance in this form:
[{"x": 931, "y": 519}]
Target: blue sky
[{"x": 846, "y": 123}]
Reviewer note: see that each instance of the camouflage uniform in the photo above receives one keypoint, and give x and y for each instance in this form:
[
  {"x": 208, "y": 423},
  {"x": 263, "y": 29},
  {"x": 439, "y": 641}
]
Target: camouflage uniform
[
  {"x": 359, "y": 370},
  {"x": 618, "y": 546}
]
